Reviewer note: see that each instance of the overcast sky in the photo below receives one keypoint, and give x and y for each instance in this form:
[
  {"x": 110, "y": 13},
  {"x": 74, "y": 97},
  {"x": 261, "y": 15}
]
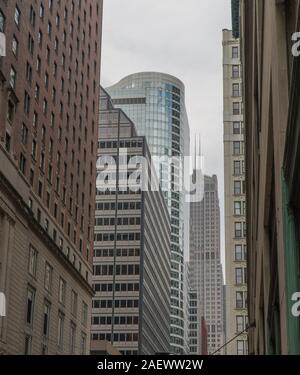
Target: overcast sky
[{"x": 182, "y": 38}]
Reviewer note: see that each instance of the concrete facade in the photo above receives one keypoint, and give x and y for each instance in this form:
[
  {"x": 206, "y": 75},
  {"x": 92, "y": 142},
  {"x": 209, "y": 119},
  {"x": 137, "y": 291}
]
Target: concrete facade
[
  {"x": 48, "y": 120},
  {"x": 235, "y": 198}
]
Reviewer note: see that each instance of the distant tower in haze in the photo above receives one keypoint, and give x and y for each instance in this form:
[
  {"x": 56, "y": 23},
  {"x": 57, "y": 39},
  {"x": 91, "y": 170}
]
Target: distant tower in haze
[{"x": 206, "y": 275}]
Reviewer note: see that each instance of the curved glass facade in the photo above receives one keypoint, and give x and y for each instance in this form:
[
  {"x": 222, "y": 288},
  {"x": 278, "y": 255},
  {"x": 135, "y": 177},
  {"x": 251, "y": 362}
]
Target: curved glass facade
[{"x": 155, "y": 102}]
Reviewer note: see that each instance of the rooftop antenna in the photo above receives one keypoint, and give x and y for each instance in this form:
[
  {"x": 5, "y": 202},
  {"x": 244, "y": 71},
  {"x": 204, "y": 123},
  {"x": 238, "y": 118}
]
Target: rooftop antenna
[{"x": 195, "y": 152}]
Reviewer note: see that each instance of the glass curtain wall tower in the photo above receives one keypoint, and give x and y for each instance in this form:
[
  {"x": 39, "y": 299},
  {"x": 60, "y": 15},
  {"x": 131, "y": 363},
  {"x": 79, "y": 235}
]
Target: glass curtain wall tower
[{"x": 155, "y": 102}]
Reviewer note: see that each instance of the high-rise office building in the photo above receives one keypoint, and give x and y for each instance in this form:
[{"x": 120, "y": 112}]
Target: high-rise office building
[
  {"x": 271, "y": 76},
  {"x": 155, "y": 102},
  {"x": 235, "y": 207},
  {"x": 48, "y": 125},
  {"x": 132, "y": 260},
  {"x": 206, "y": 275}
]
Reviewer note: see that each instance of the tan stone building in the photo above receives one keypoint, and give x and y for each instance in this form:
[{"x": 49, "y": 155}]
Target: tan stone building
[
  {"x": 49, "y": 91},
  {"x": 271, "y": 95},
  {"x": 235, "y": 207}
]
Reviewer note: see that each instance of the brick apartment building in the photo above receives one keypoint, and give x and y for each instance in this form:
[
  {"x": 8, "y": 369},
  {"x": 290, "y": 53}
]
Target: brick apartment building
[{"x": 49, "y": 91}]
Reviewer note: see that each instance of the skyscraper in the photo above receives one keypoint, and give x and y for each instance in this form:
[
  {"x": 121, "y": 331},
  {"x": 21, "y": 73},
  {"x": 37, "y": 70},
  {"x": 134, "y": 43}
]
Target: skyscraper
[
  {"x": 48, "y": 126},
  {"x": 235, "y": 208},
  {"x": 206, "y": 275},
  {"x": 132, "y": 260},
  {"x": 155, "y": 102}
]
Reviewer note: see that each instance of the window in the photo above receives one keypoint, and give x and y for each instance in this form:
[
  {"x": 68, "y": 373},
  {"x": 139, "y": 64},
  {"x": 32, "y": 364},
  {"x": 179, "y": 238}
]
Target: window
[
  {"x": 56, "y": 45},
  {"x": 46, "y": 80},
  {"x": 48, "y": 277},
  {"x": 28, "y": 72},
  {"x": 239, "y": 276},
  {"x": 235, "y": 52},
  {"x": 17, "y": 16},
  {"x": 40, "y": 189},
  {"x": 237, "y": 167},
  {"x": 239, "y": 253},
  {"x": 37, "y": 92},
  {"x": 63, "y": 61},
  {"x": 24, "y": 134},
  {"x": 33, "y": 254},
  {"x": 46, "y": 319},
  {"x": 32, "y": 16},
  {"x": 38, "y": 64},
  {"x": 40, "y": 38},
  {"x": 33, "y": 149},
  {"x": 84, "y": 318},
  {"x": 10, "y": 111},
  {"x": 236, "y": 108},
  {"x": 53, "y": 95},
  {"x": 26, "y": 103},
  {"x": 60, "y": 330},
  {"x": 74, "y": 303},
  {"x": 28, "y": 341},
  {"x": 15, "y": 45},
  {"x": 240, "y": 347},
  {"x": 238, "y": 230},
  {"x": 240, "y": 323},
  {"x": 236, "y": 148},
  {"x": 235, "y": 90},
  {"x": 48, "y": 55},
  {"x": 235, "y": 71},
  {"x": 7, "y": 142},
  {"x": 244, "y": 213},
  {"x": 12, "y": 78},
  {"x": 239, "y": 300},
  {"x": 62, "y": 291},
  {"x": 45, "y": 106},
  {"x": 238, "y": 208},
  {"x": 30, "y": 44},
  {"x": 42, "y": 161},
  {"x": 22, "y": 163},
  {"x": 2, "y": 22},
  {"x": 237, "y": 188},
  {"x": 49, "y": 29},
  {"x": 236, "y": 127},
  {"x": 245, "y": 252},
  {"x": 30, "y": 306},
  {"x": 41, "y": 11}
]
